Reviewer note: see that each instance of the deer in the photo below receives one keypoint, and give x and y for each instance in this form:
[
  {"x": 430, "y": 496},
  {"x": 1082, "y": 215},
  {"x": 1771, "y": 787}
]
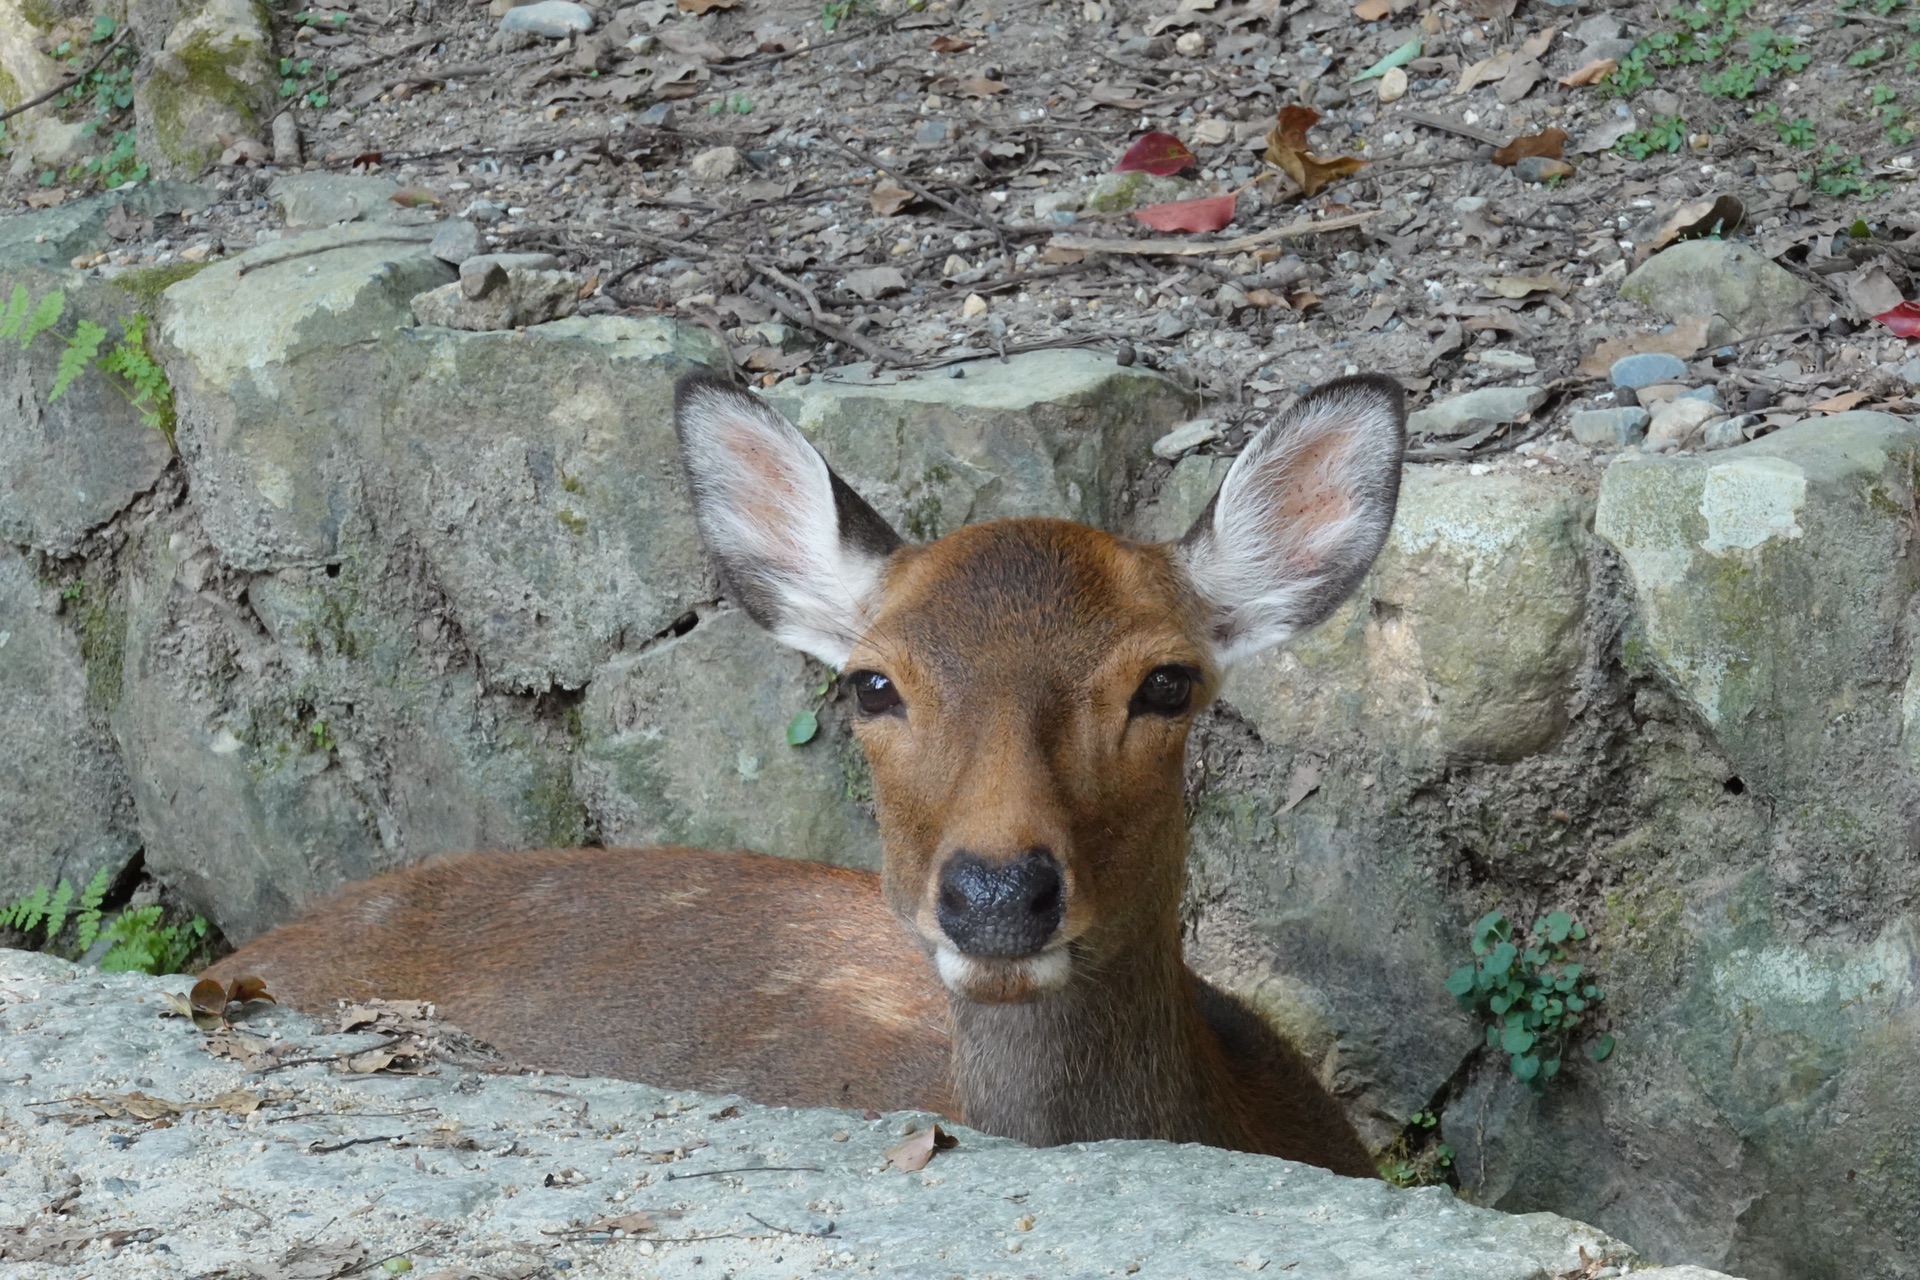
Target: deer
[{"x": 1023, "y": 690}]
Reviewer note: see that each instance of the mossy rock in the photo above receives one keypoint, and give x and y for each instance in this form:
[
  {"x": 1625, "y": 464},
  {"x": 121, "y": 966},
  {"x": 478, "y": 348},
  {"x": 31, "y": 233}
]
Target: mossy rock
[{"x": 213, "y": 77}]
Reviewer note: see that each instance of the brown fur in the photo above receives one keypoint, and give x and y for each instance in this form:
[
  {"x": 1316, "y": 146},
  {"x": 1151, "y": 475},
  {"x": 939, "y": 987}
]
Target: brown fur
[{"x": 1017, "y": 647}]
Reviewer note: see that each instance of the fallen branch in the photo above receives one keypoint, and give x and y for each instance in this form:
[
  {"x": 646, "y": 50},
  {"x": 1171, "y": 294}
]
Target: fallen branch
[
  {"x": 70, "y": 81},
  {"x": 877, "y": 352},
  {"x": 1159, "y": 245},
  {"x": 977, "y": 219},
  {"x": 1445, "y": 125}
]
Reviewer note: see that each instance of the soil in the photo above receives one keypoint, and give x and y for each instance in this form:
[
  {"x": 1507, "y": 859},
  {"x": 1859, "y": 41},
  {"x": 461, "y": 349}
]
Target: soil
[{"x": 874, "y": 140}]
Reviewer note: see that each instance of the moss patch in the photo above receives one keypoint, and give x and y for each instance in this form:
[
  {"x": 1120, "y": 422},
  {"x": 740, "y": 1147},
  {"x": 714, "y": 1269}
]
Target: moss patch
[
  {"x": 146, "y": 284},
  {"x": 178, "y": 106}
]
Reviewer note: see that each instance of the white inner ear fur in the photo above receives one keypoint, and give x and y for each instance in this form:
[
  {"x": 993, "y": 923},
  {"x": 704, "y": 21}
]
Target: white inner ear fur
[
  {"x": 1300, "y": 517},
  {"x": 765, "y": 507}
]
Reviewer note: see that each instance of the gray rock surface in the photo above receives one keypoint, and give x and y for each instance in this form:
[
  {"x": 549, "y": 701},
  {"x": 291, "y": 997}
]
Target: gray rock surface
[
  {"x": 1609, "y": 428},
  {"x": 1459, "y": 415},
  {"x": 210, "y": 77},
  {"x": 1645, "y": 368},
  {"x": 1725, "y": 278},
  {"x": 496, "y": 293},
  {"x": 466, "y": 1170},
  {"x": 54, "y": 237},
  {"x": 554, "y": 18},
  {"x": 311, "y": 200}
]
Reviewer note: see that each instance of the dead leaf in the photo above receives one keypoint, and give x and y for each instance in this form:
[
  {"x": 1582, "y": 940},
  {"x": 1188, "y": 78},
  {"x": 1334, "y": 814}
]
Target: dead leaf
[
  {"x": 981, "y": 87},
  {"x": 1486, "y": 70},
  {"x": 889, "y": 197},
  {"x": 912, "y": 1155},
  {"x": 1549, "y": 143},
  {"x": 1060, "y": 256},
  {"x": 690, "y": 41},
  {"x": 950, "y": 44},
  {"x": 1536, "y": 46},
  {"x": 874, "y": 283},
  {"x": 1903, "y": 320},
  {"x": 1519, "y": 81},
  {"x": 365, "y": 1064},
  {"x": 1372, "y": 10},
  {"x": 1208, "y": 214},
  {"x": 1521, "y": 286},
  {"x": 123, "y": 225},
  {"x": 327, "y": 1261},
  {"x": 1305, "y": 781},
  {"x": 1602, "y": 137},
  {"x": 1715, "y": 215},
  {"x": 1872, "y": 291},
  {"x": 46, "y": 199},
  {"x": 1287, "y": 150},
  {"x": 1265, "y": 298},
  {"x": 1684, "y": 340},
  {"x": 1160, "y": 154},
  {"x": 248, "y": 1051},
  {"x": 698, "y": 7},
  {"x": 1593, "y": 73},
  {"x": 1841, "y": 403}
]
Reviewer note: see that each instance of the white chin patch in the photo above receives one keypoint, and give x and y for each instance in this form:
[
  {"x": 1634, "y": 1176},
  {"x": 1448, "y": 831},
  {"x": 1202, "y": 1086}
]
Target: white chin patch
[{"x": 963, "y": 974}]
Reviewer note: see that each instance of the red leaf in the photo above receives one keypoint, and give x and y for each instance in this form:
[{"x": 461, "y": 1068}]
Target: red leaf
[
  {"x": 1904, "y": 319},
  {"x": 1160, "y": 154},
  {"x": 1209, "y": 214}
]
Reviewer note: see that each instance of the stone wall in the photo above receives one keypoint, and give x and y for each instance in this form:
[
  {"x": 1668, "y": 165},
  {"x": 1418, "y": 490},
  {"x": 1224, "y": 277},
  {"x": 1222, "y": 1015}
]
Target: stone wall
[{"x": 403, "y": 590}]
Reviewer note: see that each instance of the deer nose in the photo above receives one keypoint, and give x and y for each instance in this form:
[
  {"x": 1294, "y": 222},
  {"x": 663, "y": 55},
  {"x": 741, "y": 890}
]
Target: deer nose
[{"x": 1000, "y": 908}]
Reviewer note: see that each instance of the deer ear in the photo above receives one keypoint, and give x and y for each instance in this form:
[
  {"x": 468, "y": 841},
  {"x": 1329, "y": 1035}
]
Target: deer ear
[
  {"x": 799, "y": 548},
  {"x": 1300, "y": 516}
]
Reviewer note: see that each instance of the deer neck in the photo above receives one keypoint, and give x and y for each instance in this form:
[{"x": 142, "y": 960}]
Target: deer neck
[{"x": 1119, "y": 1053}]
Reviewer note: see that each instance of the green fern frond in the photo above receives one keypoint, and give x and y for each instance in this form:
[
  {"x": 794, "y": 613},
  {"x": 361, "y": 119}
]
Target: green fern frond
[
  {"x": 16, "y": 311},
  {"x": 46, "y": 314},
  {"x": 81, "y": 350},
  {"x": 26, "y": 913},
  {"x": 87, "y": 924},
  {"x": 57, "y": 908}
]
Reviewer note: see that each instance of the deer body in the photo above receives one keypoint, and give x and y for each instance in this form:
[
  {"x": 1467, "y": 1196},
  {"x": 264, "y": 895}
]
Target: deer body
[{"x": 1024, "y": 690}]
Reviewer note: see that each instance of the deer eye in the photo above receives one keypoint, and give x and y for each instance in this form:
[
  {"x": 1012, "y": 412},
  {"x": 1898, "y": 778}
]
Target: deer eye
[
  {"x": 874, "y": 693},
  {"x": 1167, "y": 691}
]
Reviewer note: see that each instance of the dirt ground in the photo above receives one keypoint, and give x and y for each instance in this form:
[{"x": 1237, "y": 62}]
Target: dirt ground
[{"x": 865, "y": 176}]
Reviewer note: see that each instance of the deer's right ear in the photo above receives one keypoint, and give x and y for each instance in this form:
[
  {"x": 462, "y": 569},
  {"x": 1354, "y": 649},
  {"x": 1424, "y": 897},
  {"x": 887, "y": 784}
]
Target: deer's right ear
[
  {"x": 801, "y": 550},
  {"x": 1300, "y": 516}
]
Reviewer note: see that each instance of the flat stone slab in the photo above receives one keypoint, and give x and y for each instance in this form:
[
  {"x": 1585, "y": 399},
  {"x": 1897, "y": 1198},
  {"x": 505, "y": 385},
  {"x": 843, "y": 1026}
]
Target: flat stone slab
[{"x": 522, "y": 1175}]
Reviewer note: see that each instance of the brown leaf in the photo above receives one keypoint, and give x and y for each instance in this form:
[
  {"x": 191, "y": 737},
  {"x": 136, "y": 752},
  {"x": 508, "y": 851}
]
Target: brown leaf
[
  {"x": 889, "y": 197},
  {"x": 1208, "y": 214},
  {"x": 1715, "y": 215},
  {"x": 912, "y": 1155},
  {"x": 1684, "y": 340},
  {"x": 1305, "y": 781},
  {"x": 1372, "y": 10},
  {"x": 1287, "y": 151},
  {"x": 1059, "y": 256},
  {"x": 1841, "y": 403},
  {"x": 1265, "y": 298},
  {"x": 1484, "y": 71},
  {"x": 698, "y": 7},
  {"x": 247, "y": 988},
  {"x": 950, "y": 44},
  {"x": 46, "y": 199},
  {"x": 1519, "y": 81},
  {"x": 981, "y": 87},
  {"x": 1872, "y": 291},
  {"x": 414, "y": 197},
  {"x": 1549, "y": 143},
  {"x": 1535, "y": 46},
  {"x": 1521, "y": 286},
  {"x": 1593, "y": 73},
  {"x": 873, "y": 283}
]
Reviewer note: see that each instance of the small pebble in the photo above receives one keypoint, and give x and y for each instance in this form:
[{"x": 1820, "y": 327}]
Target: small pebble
[
  {"x": 555, "y": 19},
  {"x": 1191, "y": 44},
  {"x": 715, "y": 163},
  {"x": 975, "y": 305},
  {"x": 1185, "y": 438},
  {"x": 1645, "y": 369},
  {"x": 1393, "y": 85}
]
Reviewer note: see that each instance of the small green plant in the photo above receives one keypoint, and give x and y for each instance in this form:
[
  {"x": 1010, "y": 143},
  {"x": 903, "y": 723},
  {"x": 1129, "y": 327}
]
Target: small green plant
[
  {"x": 1414, "y": 1159},
  {"x": 1663, "y": 133},
  {"x": 738, "y": 104},
  {"x": 835, "y": 13},
  {"x": 1533, "y": 996},
  {"x": 47, "y": 912},
  {"x": 300, "y": 79},
  {"x": 139, "y": 940},
  {"x": 805, "y": 725},
  {"x": 107, "y": 91},
  {"x": 128, "y": 364},
  {"x": 117, "y": 166},
  {"x": 322, "y": 736},
  {"x": 1837, "y": 173},
  {"x": 1797, "y": 132}
]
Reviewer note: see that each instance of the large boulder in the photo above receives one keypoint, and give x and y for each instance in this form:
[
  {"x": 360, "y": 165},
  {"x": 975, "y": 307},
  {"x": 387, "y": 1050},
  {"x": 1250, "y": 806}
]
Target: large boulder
[{"x": 209, "y": 79}]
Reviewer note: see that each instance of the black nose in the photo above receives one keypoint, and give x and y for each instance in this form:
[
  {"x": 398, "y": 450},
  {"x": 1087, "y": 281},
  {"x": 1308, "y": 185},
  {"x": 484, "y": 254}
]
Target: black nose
[{"x": 1000, "y": 908}]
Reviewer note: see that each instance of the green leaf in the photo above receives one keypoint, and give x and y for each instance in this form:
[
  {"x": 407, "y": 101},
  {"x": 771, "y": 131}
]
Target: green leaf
[
  {"x": 802, "y": 728},
  {"x": 1460, "y": 981},
  {"x": 1525, "y": 1067},
  {"x": 45, "y": 315},
  {"x": 82, "y": 349},
  {"x": 1502, "y": 958},
  {"x": 1499, "y": 1005},
  {"x": 1579, "y": 932},
  {"x": 1559, "y": 925},
  {"x": 57, "y": 908},
  {"x": 1601, "y": 1048},
  {"x": 1576, "y": 1004},
  {"x": 16, "y": 311},
  {"x": 1550, "y": 1068},
  {"x": 1493, "y": 1037},
  {"x": 1398, "y": 58},
  {"x": 1516, "y": 1039}
]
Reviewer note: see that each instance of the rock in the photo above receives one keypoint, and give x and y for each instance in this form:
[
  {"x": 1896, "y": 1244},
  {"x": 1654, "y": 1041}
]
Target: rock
[
  {"x": 1727, "y": 278},
  {"x": 932, "y": 133},
  {"x": 311, "y": 200},
  {"x": 286, "y": 140},
  {"x": 715, "y": 163},
  {"x": 54, "y": 237},
  {"x": 1610, "y": 428},
  {"x": 974, "y": 306},
  {"x": 1728, "y": 432},
  {"x": 1615, "y": 48},
  {"x": 1706, "y": 395},
  {"x": 1048, "y": 433},
  {"x": 62, "y": 785},
  {"x": 556, "y": 19},
  {"x": 214, "y": 78},
  {"x": 1161, "y": 1208},
  {"x": 1190, "y": 44},
  {"x": 69, "y": 467},
  {"x": 1183, "y": 496},
  {"x": 1602, "y": 26},
  {"x": 1508, "y": 361},
  {"x": 1169, "y": 325},
  {"x": 1186, "y": 437},
  {"x": 1910, "y": 371},
  {"x": 509, "y": 298},
  {"x": 455, "y": 241},
  {"x": 1541, "y": 169},
  {"x": 1675, "y": 421},
  {"x": 1048, "y": 203},
  {"x": 481, "y": 274},
  {"x": 685, "y": 743},
  {"x": 1658, "y": 394},
  {"x": 1646, "y": 368},
  {"x": 1467, "y": 413},
  {"x": 1393, "y": 84},
  {"x": 1123, "y": 192}
]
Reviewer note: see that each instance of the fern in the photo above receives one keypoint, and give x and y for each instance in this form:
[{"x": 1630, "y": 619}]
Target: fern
[
  {"x": 25, "y": 914},
  {"x": 86, "y": 925},
  {"x": 82, "y": 349},
  {"x": 141, "y": 944},
  {"x": 57, "y": 908},
  {"x": 152, "y": 393},
  {"x": 45, "y": 315},
  {"x": 16, "y": 311}
]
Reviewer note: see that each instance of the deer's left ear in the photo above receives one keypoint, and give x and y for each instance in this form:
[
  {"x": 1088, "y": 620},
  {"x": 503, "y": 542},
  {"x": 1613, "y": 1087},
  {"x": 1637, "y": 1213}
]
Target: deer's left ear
[
  {"x": 800, "y": 549},
  {"x": 1301, "y": 515}
]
